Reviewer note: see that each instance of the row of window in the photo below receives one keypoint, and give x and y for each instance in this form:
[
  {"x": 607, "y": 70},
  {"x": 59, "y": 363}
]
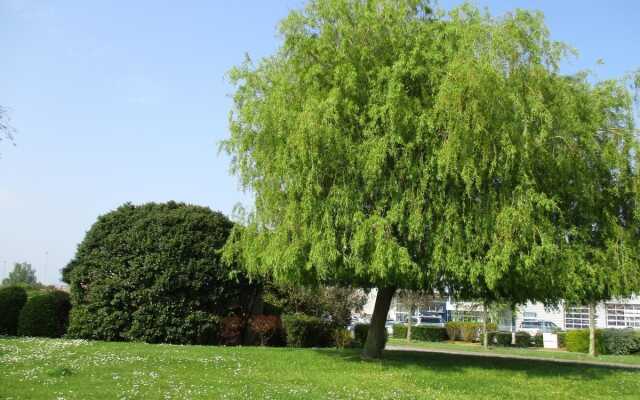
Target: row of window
[{"x": 618, "y": 315}]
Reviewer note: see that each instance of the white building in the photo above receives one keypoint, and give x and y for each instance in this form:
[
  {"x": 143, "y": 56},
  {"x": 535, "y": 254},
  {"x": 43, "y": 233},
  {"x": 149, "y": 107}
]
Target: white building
[{"x": 624, "y": 313}]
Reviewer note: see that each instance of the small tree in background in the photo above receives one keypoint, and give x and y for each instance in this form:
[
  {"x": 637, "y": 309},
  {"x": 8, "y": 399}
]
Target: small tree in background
[
  {"x": 22, "y": 274},
  {"x": 413, "y": 300}
]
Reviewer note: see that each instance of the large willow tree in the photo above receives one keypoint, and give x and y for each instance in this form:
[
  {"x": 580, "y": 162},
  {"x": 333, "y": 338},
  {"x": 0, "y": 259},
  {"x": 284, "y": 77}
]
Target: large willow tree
[{"x": 392, "y": 146}]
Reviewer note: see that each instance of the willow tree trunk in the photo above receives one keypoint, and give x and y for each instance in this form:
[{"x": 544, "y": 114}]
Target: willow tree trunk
[
  {"x": 513, "y": 324},
  {"x": 592, "y": 330},
  {"x": 411, "y": 312},
  {"x": 485, "y": 339},
  {"x": 374, "y": 345}
]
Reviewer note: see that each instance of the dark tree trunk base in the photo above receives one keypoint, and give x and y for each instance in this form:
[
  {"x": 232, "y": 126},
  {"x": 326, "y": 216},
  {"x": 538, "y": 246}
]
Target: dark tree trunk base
[{"x": 374, "y": 344}]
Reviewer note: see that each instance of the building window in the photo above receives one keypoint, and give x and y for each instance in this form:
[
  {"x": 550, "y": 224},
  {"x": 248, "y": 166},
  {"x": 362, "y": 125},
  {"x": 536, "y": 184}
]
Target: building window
[
  {"x": 623, "y": 315},
  {"x": 576, "y": 318}
]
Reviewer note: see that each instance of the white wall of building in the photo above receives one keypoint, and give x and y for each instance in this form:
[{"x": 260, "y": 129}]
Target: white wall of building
[{"x": 557, "y": 315}]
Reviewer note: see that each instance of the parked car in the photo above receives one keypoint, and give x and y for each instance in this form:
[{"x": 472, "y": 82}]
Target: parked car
[
  {"x": 428, "y": 320},
  {"x": 535, "y": 326}
]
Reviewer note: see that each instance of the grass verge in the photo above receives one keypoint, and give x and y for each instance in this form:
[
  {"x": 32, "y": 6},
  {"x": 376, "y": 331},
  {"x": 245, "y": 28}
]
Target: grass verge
[{"x": 76, "y": 369}]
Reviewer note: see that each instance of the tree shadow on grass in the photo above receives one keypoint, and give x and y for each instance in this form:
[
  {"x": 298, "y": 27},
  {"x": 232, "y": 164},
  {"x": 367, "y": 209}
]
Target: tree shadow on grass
[{"x": 395, "y": 359}]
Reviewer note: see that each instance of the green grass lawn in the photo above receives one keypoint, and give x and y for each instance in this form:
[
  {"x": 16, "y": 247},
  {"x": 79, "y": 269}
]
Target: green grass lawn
[
  {"x": 527, "y": 352},
  {"x": 68, "y": 369}
]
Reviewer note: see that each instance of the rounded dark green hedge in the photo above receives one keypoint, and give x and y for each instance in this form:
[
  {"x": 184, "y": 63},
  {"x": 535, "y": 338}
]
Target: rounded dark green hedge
[
  {"x": 421, "y": 332},
  {"x": 12, "y": 299},
  {"x": 503, "y": 338},
  {"x": 620, "y": 341},
  {"x": 45, "y": 315},
  {"x": 578, "y": 341},
  {"x": 306, "y": 331},
  {"x": 153, "y": 273},
  {"x": 523, "y": 339}
]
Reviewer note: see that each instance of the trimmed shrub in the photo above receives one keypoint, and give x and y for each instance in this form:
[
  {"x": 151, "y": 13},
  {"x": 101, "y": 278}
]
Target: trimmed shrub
[
  {"x": 562, "y": 340},
  {"x": 305, "y": 331},
  {"x": 201, "y": 328},
  {"x": 619, "y": 341},
  {"x": 400, "y": 331},
  {"x": 491, "y": 338},
  {"x": 578, "y": 341},
  {"x": 231, "y": 330},
  {"x": 453, "y": 329},
  {"x": 503, "y": 338},
  {"x": 12, "y": 299},
  {"x": 152, "y": 273},
  {"x": 428, "y": 333},
  {"x": 360, "y": 332},
  {"x": 45, "y": 315},
  {"x": 421, "y": 332},
  {"x": 265, "y": 327},
  {"x": 523, "y": 339},
  {"x": 537, "y": 340},
  {"x": 467, "y": 331},
  {"x": 343, "y": 338}
]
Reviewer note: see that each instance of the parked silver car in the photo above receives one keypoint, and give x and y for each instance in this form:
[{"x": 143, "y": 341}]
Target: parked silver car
[{"x": 535, "y": 326}]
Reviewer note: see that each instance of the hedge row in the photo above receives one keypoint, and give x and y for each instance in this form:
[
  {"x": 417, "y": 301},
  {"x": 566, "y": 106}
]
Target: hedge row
[
  {"x": 44, "y": 315},
  {"x": 466, "y": 331},
  {"x": 306, "y": 331},
  {"x": 12, "y": 299},
  {"x": 608, "y": 341},
  {"x": 423, "y": 333}
]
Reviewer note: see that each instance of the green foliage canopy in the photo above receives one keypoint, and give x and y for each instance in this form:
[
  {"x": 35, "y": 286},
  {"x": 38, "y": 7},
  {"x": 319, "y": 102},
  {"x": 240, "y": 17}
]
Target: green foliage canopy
[
  {"x": 45, "y": 315},
  {"x": 333, "y": 303},
  {"x": 22, "y": 274},
  {"x": 152, "y": 273},
  {"x": 390, "y": 145},
  {"x": 12, "y": 299}
]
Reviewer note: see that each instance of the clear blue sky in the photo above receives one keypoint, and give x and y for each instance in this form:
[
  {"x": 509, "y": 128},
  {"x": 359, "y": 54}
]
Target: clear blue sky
[{"x": 120, "y": 101}]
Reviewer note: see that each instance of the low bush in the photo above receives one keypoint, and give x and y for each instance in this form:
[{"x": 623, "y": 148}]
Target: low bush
[
  {"x": 491, "y": 340},
  {"x": 201, "y": 328},
  {"x": 231, "y": 330},
  {"x": 578, "y": 341},
  {"x": 360, "y": 332},
  {"x": 342, "y": 338},
  {"x": 45, "y": 315},
  {"x": 453, "y": 329},
  {"x": 305, "y": 331},
  {"x": 265, "y": 327},
  {"x": 429, "y": 333},
  {"x": 503, "y": 338},
  {"x": 562, "y": 340},
  {"x": 12, "y": 299},
  {"x": 400, "y": 331},
  {"x": 523, "y": 339},
  {"x": 421, "y": 332},
  {"x": 619, "y": 341},
  {"x": 467, "y": 331},
  {"x": 537, "y": 340}
]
